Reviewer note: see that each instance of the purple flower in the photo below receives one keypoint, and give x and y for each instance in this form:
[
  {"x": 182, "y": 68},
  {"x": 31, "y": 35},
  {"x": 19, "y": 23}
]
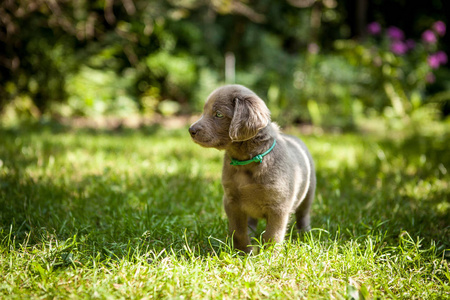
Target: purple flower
[
  {"x": 430, "y": 78},
  {"x": 437, "y": 59},
  {"x": 374, "y": 28},
  {"x": 395, "y": 33},
  {"x": 441, "y": 57},
  {"x": 410, "y": 44},
  {"x": 399, "y": 48},
  {"x": 433, "y": 61},
  {"x": 429, "y": 37},
  {"x": 439, "y": 28}
]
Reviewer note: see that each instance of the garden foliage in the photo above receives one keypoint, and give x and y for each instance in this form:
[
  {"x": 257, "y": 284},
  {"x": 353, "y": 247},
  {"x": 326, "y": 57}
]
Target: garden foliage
[{"x": 311, "y": 60}]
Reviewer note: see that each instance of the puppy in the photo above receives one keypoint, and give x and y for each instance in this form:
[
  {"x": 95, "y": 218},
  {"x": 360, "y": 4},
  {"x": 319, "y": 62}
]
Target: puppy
[{"x": 266, "y": 174}]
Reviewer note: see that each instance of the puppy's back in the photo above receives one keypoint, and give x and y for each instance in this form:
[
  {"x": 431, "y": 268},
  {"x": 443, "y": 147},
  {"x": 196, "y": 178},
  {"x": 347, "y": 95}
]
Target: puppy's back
[
  {"x": 298, "y": 148},
  {"x": 300, "y": 164}
]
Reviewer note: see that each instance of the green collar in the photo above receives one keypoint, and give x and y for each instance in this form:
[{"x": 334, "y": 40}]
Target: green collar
[{"x": 257, "y": 158}]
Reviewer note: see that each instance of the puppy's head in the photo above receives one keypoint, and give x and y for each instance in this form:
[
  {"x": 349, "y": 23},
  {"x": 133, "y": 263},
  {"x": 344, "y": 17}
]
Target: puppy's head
[{"x": 232, "y": 113}]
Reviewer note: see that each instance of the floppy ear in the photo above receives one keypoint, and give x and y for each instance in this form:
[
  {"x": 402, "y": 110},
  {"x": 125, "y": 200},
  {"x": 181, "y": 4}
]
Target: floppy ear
[{"x": 250, "y": 115}]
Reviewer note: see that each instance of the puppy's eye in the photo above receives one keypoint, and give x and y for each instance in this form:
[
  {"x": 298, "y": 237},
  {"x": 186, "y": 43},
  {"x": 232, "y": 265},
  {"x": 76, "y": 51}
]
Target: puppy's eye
[{"x": 219, "y": 115}]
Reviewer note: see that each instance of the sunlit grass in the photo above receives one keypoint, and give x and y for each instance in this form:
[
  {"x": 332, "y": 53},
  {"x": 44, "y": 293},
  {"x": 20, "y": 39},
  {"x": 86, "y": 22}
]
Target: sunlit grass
[{"x": 135, "y": 214}]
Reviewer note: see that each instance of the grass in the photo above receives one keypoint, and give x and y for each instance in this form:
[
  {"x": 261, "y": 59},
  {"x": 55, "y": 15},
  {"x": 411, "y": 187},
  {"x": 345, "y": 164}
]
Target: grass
[{"x": 138, "y": 214}]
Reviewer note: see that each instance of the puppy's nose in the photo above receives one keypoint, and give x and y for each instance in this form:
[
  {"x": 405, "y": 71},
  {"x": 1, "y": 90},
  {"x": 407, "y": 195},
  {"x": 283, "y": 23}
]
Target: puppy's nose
[{"x": 192, "y": 130}]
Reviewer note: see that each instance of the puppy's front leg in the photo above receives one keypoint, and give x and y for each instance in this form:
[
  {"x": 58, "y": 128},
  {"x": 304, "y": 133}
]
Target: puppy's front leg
[
  {"x": 237, "y": 225},
  {"x": 276, "y": 227}
]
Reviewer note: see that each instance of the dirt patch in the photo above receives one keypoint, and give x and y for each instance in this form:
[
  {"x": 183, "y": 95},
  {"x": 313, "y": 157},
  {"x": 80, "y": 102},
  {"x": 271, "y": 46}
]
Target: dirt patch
[{"x": 132, "y": 122}]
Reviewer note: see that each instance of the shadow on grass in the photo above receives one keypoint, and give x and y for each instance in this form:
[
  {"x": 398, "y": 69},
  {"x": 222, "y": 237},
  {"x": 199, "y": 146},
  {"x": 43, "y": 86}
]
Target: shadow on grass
[
  {"x": 154, "y": 212},
  {"x": 402, "y": 188},
  {"x": 106, "y": 209}
]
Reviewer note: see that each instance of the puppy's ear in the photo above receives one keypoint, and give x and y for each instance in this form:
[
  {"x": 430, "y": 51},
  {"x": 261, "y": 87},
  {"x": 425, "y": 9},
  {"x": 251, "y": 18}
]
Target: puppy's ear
[{"x": 250, "y": 115}]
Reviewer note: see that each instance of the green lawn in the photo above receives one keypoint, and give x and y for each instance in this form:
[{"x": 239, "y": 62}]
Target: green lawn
[{"x": 138, "y": 214}]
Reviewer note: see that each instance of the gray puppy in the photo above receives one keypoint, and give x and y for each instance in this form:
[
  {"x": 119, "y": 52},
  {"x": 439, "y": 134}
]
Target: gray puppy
[{"x": 266, "y": 174}]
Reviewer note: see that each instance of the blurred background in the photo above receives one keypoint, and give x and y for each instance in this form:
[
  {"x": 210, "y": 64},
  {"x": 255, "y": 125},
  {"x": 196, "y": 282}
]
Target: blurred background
[{"x": 328, "y": 63}]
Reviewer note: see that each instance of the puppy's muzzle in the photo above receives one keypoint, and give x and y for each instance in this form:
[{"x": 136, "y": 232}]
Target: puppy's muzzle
[{"x": 193, "y": 130}]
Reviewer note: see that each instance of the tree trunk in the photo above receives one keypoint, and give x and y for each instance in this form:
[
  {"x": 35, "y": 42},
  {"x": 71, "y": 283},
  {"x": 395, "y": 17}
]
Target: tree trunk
[{"x": 361, "y": 18}]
